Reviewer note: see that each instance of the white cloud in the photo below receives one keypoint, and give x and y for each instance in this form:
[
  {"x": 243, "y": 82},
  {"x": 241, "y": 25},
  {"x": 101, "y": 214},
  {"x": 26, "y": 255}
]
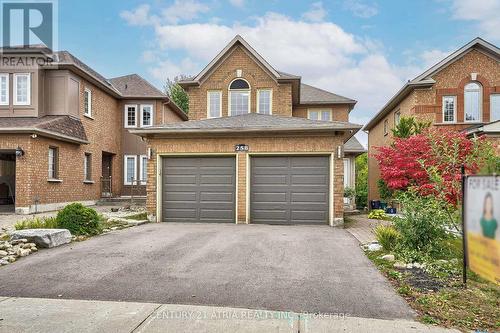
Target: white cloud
[
  {"x": 432, "y": 57},
  {"x": 360, "y": 9},
  {"x": 484, "y": 12},
  {"x": 316, "y": 13},
  {"x": 184, "y": 10},
  {"x": 138, "y": 16},
  {"x": 237, "y": 3}
]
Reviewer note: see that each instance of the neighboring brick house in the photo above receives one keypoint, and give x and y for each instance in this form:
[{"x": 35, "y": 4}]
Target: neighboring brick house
[
  {"x": 461, "y": 92},
  {"x": 67, "y": 125},
  {"x": 260, "y": 147}
]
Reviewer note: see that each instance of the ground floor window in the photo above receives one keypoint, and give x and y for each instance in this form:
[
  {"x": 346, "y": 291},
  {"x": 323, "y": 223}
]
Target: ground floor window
[
  {"x": 53, "y": 162},
  {"x": 144, "y": 169},
  {"x": 87, "y": 167},
  {"x": 130, "y": 169}
]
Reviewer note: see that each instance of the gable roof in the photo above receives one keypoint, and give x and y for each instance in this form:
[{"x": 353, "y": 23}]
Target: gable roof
[
  {"x": 251, "y": 122},
  {"x": 425, "y": 79},
  {"x": 353, "y": 146},
  {"x": 133, "y": 86},
  {"x": 313, "y": 95}
]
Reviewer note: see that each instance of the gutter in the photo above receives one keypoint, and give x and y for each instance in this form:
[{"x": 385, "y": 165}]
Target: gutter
[{"x": 43, "y": 132}]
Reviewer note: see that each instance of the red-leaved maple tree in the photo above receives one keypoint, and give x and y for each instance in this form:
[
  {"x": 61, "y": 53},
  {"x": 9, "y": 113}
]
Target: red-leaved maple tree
[{"x": 431, "y": 162}]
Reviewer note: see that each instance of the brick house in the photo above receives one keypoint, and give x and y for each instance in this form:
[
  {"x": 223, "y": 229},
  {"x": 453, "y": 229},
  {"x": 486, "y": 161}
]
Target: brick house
[
  {"x": 259, "y": 147},
  {"x": 64, "y": 130},
  {"x": 461, "y": 92}
]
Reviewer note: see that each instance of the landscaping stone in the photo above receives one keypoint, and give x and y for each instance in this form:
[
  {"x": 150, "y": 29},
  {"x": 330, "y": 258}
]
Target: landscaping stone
[
  {"x": 23, "y": 252},
  {"x": 388, "y": 257},
  {"x": 3, "y": 253},
  {"x": 45, "y": 238},
  {"x": 399, "y": 265},
  {"x": 17, "y": 240},
  {"x": 4, "y": 262},
  {"x": 374, "y": 247}
]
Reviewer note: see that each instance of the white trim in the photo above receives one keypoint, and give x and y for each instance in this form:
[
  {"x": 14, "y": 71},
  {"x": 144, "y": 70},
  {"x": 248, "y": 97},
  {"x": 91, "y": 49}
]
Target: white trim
[
  {"x": 141, "y": 113},
  {"x": 208, "y": 103},
  {"x": 28, "y": 88},
  {"x": 319, "y": 110},
  {"x": 497, "y": 96},
  {"x": 249, "y": 90},
  {"x": 270, "y": 99},
  {"x": 125, "y": 112},
  {"x": 7, "y": 96},
  {"x": 454, "y": 109},
  {"x": 125, "y": 157},
  {"x": 89, "y": 92},
  {"x": 141, "y": 158}
]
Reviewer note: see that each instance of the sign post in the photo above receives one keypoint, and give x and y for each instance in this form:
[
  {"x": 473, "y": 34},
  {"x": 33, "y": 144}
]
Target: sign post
[
  {"x": 464, "y": 240},
  {"x": 481, "y": 227}
]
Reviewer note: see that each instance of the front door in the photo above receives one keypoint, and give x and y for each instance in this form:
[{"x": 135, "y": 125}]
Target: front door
[{"x": 106, "y": 175}]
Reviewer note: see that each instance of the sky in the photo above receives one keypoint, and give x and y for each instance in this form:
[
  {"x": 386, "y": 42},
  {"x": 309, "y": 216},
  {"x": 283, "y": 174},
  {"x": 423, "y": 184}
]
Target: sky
[{"x": 361, "y": 49}]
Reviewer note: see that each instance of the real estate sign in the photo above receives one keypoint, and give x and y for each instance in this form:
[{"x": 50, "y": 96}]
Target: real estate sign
[{"x": 482, "y": 225}]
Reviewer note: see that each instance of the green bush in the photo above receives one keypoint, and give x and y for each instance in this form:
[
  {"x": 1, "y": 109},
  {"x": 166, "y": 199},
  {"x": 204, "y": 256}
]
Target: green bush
[
  {"x": 349, "y": 192},
  {"x": 385, "y": 192},
  {"x": 387, "y": 236},
  {"x": 377, "y": 214},
  {"x": 37, "y": 223},
  {"x": 423, "y": 227},
  {"x": 362, "y": 181},
  {"x": 79, "y": 220}
]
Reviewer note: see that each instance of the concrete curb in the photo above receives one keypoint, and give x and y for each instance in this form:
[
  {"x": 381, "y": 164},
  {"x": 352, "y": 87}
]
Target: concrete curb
[{"x": 62, "y": 315}]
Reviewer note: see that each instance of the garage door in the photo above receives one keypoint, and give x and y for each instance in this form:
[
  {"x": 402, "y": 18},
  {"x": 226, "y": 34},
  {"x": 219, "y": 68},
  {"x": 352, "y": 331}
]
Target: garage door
[
  {"x": 198, "y": 189},
  {"x": 289, "y": 189}
]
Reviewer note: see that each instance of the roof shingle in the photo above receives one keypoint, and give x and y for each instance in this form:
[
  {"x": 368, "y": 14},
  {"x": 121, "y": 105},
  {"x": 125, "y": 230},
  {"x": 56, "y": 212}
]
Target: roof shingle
[
  {"x": 313, "y": 95},
  {"x": 135, "y": 86}
]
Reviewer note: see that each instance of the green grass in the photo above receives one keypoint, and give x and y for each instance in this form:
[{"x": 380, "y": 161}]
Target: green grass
[
  {"x": 476, "y": 307},
  {"x": 37, "y": 223},
  {"x": 139, "y": 217}
]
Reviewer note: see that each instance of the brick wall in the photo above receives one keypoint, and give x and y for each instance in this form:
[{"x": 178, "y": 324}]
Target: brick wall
[
  {"x": 292, "y": 144},
  {"x": 256, "y": 76},
  {"x": 426, "y": 104},
  {"x": 340, "y": 112}
]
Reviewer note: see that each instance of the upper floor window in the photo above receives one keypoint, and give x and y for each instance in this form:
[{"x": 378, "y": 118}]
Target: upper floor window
[
  {"x": 397, "y": 117},
  {"x": 386, "y": 126},
  {"x": 264, "y": 101},
  {"x": 472, "y": 102},
  {"x": 325, "y": 115},
  {"x": 449, "y": 109},
  {"x": 22, "y": 89},
  {"x": 87, "y": 102},
  {"x": 4, "y": 89},
  {"x": 239, "y": 97},
  {"x": 130, "y": 116},
  {"x": 494, "y": 107},
  {"x": 146, "y": 115},
  {"x": 214, "y": 103}
]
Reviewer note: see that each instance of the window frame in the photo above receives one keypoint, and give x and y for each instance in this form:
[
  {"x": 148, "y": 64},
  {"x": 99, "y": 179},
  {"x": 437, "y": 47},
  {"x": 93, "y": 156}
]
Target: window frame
[
  {"x": 125, "y": 112},
  {"x": 89, "y": 92},
  {"x": 7, "y": 92},
  {"x": 55, "y": 162},
  {"x": 397, "y": 117},
  {"x": 230, "y": 91},
  {"x": 496, "y": 95},
  {"x": 480, "y": 103},
  {"x": 320, "y": 111},
  {"x": 141, "y": 169},
  {"x": 87, "y": 167},
  {"x": 386, "y": 126},
  {"x": 443, "y": 109},
  {"x": 141, "y": 113},
  {"x": 270, "y": 100},
  {"x": 28, "y": 88},
  {"x": 125, "y": 158},
  {"x": 208, "y": 103}
]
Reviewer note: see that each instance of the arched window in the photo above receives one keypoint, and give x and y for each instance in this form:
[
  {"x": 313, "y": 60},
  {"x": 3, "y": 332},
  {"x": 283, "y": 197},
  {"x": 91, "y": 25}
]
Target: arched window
[
  {"x": 239, "y": 97},
  {"x": 473, "y": 102}
]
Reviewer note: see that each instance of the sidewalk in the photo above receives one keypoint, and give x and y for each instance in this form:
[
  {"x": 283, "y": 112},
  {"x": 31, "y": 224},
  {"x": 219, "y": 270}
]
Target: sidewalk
[
  {"x": 362, "y": 228},
  {"x": 57, "y": 315}
]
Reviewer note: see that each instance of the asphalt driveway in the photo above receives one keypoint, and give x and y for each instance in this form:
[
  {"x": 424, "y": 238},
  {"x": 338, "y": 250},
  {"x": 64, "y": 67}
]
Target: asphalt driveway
[{"x": 289, "y": 268}]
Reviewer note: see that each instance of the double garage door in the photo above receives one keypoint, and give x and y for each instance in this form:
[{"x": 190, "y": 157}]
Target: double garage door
[{"x": 283, "y": 189}]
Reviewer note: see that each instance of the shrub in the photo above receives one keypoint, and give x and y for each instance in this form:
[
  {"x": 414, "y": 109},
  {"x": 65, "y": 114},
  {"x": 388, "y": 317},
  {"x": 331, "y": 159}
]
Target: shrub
[
  {"x": 79, "y": 220},
  {"x": 349, "y": 192},
  {"x": 377, "y": 214},
  {"x": 37, "y": 223},
  {"x": 387, "y": 236},
  {"x": 424, "y": 226},
  {"x": 362, "y": 181}
]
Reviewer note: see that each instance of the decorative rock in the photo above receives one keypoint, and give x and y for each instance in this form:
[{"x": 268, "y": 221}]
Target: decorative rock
[
  {"x": 23, "y": 252},
  {"x": 5, "y": 246},
  {"x": 16, "y": 241},
  {"x": 3, "y": 262},
  {"x": 11, "y": 259},
  {"x": 399, "y": 265},
  {"x": 45, "y": 238},
  {"x": 388, "y": 257},
  {"x": 33, "y": 249},
  {"x": 374, "y": 247},
  {"x": 26, "y": 246},
  {"x": 3, "y": 253}
]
